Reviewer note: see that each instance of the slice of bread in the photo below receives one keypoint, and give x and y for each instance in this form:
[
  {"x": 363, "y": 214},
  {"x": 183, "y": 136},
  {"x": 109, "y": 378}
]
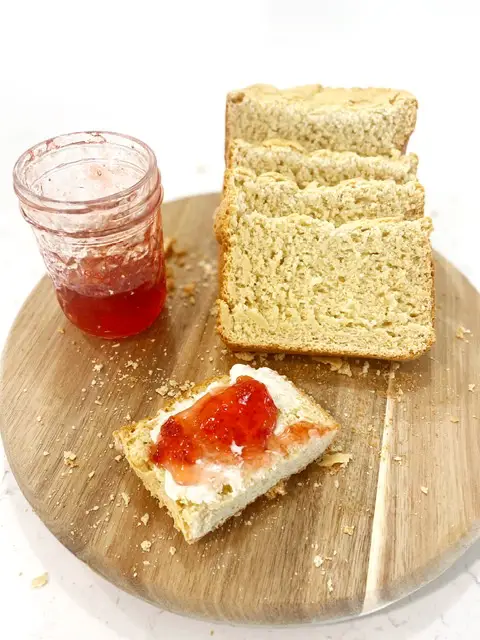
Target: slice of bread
[
  {"x": 301, "y": 285},
  {"x": 275, "y": 195},
  {"x": 323, "y": 166},
  {"x": 370, "y": 121},
  {"x": 198, "y": 509}
]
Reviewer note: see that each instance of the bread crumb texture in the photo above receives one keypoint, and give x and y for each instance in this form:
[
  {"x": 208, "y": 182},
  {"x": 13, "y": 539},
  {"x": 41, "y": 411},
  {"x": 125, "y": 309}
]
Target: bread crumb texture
[
  {"x": 370, "y": 121},
  {"x": 323, "y": 166},
  {"x": 300, "y": 284},
  {"x": 275, "y": 195}
]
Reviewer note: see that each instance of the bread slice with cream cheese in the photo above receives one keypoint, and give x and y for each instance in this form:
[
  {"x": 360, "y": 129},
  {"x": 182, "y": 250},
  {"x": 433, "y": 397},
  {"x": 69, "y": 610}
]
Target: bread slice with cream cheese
[{"x": 198, "y": 509}]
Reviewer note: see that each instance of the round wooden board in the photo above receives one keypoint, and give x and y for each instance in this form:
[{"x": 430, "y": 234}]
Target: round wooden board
[{"x": 407, "y": 428}]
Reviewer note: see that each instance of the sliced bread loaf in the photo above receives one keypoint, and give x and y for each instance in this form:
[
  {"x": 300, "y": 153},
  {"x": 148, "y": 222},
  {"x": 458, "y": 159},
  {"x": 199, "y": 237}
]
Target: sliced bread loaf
[
  {"x": 298, "y": 284},
  {"x": 197, "y": 509},
  {"x": 275, "y": 195},
  {"x": 322, "y": 166},
  {"x": 369, "y": 121}
]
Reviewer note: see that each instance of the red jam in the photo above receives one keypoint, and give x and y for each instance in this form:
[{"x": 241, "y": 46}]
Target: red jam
[
  {"x": 243, "y": 415},
  {"x": 113, "y": 297},
  {"x": 116, "y": 315}
]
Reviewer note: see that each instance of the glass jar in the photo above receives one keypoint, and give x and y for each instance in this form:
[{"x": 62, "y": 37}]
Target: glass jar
[{"x": 94, "y": 202}]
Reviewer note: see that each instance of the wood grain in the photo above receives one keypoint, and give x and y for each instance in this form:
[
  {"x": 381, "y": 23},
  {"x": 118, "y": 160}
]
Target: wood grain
[{"x": 258, "y": 567}]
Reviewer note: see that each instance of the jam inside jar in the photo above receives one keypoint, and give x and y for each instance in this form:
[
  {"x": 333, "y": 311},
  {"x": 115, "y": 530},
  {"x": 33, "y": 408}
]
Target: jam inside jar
[{"x": 94, "y": 202}]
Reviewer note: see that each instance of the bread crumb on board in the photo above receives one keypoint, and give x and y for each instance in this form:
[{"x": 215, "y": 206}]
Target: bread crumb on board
[
  {"x": 125, "y": 498},
  {"x": 338, "y": 365},
  {"x": 40, "y": 581},
  {"x": 318, "y": 561},
  {"x": 454, "y": 419},
  {"x": 279, "y": 489},
  {"x": 69, "y": 459},
  {"x": 146, "y": 545},
  {"x": 246, "y": 357},
  {"x": 145, "y": 518},
  {"x": 172, "y": 551},
  {"x": 349, "y": 529},
  {"x": 462, "y": 332},
  {"x": 331, "y": 459},
  {"x": 471, "y": 387},
  {"x": 330, "y": 585},
  {"x": 424, "y": 490}
]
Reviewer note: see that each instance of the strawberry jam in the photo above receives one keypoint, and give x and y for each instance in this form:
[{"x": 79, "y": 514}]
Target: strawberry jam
[{"x": 231, "y": 425}]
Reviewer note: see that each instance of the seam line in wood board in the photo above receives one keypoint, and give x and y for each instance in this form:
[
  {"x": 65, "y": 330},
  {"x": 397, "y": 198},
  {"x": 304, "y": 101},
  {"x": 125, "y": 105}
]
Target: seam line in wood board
[{"x": 377, "y": 538}]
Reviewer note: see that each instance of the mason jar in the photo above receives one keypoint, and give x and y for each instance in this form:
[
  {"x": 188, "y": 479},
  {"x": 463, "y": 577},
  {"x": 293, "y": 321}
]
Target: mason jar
[{"x": 94, "y": 200}]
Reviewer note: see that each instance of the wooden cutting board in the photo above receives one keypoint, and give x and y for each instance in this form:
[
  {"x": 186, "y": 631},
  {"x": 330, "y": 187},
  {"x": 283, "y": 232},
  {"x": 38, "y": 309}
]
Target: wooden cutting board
[{"x": 410, "y": 497}]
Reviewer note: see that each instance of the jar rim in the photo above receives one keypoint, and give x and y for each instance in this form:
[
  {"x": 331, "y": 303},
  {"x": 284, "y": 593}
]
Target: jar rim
[{"x": 27, "y": 196}]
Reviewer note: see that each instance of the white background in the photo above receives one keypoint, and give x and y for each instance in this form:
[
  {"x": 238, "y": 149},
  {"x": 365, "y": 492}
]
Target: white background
[{"x": 160, "y": 71}]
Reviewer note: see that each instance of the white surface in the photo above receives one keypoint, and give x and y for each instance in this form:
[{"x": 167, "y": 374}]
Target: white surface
[{"x": 160, "y": 71}]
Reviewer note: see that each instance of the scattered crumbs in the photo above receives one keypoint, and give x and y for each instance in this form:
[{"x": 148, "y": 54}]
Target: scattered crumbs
[
  {"x": 46, "y": 453},
  {"x": 172, "y": 551},
  {"x": 246, "y": 357},
  {"x": 146, "y": 545},
  {"x": 349, "y": 530},
  {"x": 331, "y": 459},
  {"x": 40, "y": 581},
  {"x": 110, "y": 445},
  {"x": 318, "y": 561},
  {"x": 336, "y": 484},
  {"x": 98, "y": 402},
  {"x": 132, "y": 364},
  {"x": 145, "y": 518},
  {"x": 61, "y": 330},
  {"x": 338, "y": 365},
  {"x": 462, "y": 332},
  {"x": 91, "y": 474},
  {"x": 189, "y": 289},
  {"x": 118, "y": 458},
  {"x": 99, "y": 434},
  {"x": 93, "y": 382},
  {"x": 98, "y": 367},
  {"x": 114, "y": 346},
  {"x": 365, "y": 368},
  {"x": 279, "y": 357},
  {"x": 397, "y": 458},
  {"x": 424, "y": 490},
  {"x": 39, "y": 418},
  {"x": 69, "y": 459},
  {"x": 454, "y": 419},
  {"x": 125, "y": 498},
  {"x": 128, "y": 417},
  {"x": 278, "y": 490},
  {"x": 330, "y": 585},
  {"x": 146, "y": 563},
  {"x": 162, "y": 391},
  {"x": 248, "y": 523},
  {"x": 471, "y": 387}
]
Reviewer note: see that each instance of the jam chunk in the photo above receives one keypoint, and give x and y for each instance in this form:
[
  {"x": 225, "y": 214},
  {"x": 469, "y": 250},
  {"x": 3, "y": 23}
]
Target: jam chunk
[{"x": 226, "y": 426}]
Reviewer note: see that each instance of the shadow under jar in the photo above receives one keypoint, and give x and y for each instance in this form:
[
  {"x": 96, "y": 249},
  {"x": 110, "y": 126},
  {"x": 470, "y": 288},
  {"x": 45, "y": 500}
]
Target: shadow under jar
[{"x": 94, "y": 202}]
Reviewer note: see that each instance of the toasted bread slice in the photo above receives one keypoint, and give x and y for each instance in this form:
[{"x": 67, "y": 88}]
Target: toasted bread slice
[
  {"x": 370, "y": 121},
  {"x": 199, "y": 509}
]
